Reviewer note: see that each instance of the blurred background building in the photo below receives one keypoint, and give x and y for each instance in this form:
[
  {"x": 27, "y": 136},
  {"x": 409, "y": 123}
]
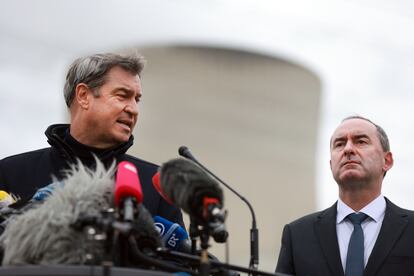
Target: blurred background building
[{"x": 253, "y": 88}]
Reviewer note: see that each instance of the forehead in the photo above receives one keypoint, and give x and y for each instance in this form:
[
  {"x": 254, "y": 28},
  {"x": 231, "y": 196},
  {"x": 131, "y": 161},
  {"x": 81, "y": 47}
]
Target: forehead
[
  {"x": 119, "y": 75},
  {"x": 353, "y": 127}
]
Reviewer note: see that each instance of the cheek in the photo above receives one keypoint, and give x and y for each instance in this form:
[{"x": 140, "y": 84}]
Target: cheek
[{"x": 334, "y": 161}]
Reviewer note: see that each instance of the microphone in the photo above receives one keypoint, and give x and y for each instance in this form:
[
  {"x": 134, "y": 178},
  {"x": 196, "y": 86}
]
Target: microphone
[
  {"x": 60, "y": 222},
  {"x": 6, "y": 199},
  {"x": 6, "y": 212},
  {"x": 189, "y": 187},
  {"x": 44, "y": 192},
  {"x": 83, "y": 192},
  {"x": 173, "y": 236},
  {"x": 128, "y": 191},
  {"x": 156, "y": 182},
  {"x": 11, "y": 206},
  {"x": 146, "y": 236},
  {"x": 254, "y": 232}
]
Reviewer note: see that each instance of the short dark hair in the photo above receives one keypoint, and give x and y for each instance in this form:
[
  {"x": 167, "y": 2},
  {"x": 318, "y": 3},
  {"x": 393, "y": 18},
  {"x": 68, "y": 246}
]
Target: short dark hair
[
  {"x": 385, "y": 143},
  {"x": 92, "y": 71}
]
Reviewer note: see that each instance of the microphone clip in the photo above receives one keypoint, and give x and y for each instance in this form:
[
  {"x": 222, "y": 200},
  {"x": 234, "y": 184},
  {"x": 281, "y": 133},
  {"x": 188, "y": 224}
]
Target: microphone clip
[{"x": 215, "y": 216}]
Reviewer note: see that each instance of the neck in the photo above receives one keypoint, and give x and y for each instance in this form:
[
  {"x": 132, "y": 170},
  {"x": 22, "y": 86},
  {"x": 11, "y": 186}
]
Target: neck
[
  {"x": 84, "y": 138},
  {"x": 80, "y": 130},
  {"x": 358, "y": 199}
]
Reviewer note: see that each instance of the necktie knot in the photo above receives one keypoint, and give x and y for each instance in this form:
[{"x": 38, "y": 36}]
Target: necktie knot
[{"x": 357, "y": 218}]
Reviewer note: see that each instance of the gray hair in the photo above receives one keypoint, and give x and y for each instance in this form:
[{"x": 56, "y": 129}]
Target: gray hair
[
  {"x": 385, "y": 143},
  {"x": 92, "y": 71}
]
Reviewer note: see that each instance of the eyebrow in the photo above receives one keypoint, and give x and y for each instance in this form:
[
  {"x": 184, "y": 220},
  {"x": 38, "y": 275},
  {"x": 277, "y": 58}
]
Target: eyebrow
[
  {"x": 361, "y": 136},
  {"x": 129, "y": 91},
  {"x": 343, "y": 138}
]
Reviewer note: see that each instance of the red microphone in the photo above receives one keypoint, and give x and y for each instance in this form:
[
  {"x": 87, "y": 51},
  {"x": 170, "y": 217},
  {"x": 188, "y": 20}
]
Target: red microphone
[
  {"x": 156, "y": 182},
  {"x": 128, "y": 191}
]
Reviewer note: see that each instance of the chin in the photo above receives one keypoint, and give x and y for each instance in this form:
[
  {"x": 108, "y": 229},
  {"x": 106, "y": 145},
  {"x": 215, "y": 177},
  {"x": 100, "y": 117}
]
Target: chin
[
  {"x": 353, "y": 182},
  {"x": 121, "y": 137},
  {"x": 351, "y": 178}
]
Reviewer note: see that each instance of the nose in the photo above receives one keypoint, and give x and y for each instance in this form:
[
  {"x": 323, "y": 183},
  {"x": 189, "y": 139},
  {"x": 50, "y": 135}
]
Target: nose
[
  {"x": 132, "y": 108},
  {"x": 349, "y": 148}
]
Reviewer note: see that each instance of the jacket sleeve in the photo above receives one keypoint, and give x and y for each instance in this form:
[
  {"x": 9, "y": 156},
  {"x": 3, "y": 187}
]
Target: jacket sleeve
[{"x": 285, "y": 262}]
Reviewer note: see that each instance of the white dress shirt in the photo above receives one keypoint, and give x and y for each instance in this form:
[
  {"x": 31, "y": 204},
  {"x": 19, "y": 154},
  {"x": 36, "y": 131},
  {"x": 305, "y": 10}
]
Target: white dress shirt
[{"x": 371, "y": 226}]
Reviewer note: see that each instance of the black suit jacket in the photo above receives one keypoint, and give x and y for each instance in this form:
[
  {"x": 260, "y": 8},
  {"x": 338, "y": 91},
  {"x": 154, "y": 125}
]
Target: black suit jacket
[{"x": 310, "y": 245}]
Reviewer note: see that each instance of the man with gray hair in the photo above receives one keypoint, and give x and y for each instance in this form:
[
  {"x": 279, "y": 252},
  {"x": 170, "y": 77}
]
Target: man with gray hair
[{"x": 102, "y": 92}]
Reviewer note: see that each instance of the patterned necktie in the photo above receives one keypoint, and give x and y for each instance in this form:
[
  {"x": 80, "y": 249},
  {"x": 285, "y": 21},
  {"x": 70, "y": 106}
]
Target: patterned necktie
[{"x": 355, "y": 255}]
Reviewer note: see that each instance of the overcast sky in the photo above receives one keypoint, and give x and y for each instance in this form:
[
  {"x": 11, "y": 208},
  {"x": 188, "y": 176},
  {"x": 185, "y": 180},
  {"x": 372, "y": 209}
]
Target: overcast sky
[{"x": 363, "y": 52}]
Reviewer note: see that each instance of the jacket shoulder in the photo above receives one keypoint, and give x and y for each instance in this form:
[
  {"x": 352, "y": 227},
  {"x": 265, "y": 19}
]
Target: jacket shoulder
[
  {"x": 140, "y": 162},
  {"x": 306, "y": 219},
  {"x": 22, "y": 174},
  {"x": 24, "y": 157},
  {"x": 398, "y": 210},
  {"x": 311, "y": 218}
]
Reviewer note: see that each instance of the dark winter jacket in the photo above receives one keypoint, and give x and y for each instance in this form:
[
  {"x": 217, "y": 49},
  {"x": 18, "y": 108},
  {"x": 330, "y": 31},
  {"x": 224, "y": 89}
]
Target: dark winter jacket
[{"x": 23, "y": 174}]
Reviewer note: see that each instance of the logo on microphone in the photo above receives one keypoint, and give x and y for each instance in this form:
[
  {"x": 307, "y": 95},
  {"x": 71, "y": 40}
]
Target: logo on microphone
[
  {"x": 173, "y": 240},
  {"x": 160, "y": 228},
  {"x": 130, "y": 167}
]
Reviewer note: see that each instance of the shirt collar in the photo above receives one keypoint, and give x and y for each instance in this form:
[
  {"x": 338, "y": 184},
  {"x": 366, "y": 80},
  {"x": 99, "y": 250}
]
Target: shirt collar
[{"x": 375, "y": 209}]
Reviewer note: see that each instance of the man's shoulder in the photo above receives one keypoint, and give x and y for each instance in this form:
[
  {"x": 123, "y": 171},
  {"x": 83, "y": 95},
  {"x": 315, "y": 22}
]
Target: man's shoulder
[
  {"x": 399, "y": 210},
  {"x": 313, "y": 217},
  {"x": 140, "y": 163},
  {"x": 306, "y": 219},
  {"x": 25, "y": 156}
]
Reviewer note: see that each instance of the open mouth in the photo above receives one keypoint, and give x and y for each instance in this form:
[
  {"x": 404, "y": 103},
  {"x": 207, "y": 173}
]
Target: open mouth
[{"x": 126, "y": 123}]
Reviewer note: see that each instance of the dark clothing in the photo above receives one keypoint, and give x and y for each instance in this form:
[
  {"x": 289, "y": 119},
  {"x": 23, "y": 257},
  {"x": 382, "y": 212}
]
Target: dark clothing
[
  {"x": 310, "y": 245},
  {"x": 25, "y": 173}
]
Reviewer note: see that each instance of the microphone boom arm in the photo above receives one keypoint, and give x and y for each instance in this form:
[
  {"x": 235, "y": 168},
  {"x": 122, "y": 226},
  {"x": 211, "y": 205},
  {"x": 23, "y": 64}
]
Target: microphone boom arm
[{"x": 254, "y": 232}]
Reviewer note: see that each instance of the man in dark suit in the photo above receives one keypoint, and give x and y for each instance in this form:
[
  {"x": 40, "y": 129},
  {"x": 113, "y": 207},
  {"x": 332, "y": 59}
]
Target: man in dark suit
[
  {"x": 102, "y": 92},
  {"x": 332, "y": 242}
]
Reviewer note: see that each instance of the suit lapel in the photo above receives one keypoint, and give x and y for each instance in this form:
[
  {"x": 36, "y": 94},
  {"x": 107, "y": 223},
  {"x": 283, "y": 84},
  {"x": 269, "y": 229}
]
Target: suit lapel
[
  {"x": 325, "y": 229},
  {"x": 392, "y": 227}
]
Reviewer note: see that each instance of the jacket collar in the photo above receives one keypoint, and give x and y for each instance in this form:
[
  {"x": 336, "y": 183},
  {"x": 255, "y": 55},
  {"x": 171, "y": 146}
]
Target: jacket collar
[
  {"x": 59, "y": 138},
  {"x": 325, "y": 229},
  {"x": 395, "y": 221}
]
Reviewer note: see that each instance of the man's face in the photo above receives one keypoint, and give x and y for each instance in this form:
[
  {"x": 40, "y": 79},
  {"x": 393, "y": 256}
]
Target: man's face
[
  {"x": 113, "y": 114},
  {"x": 357, "y": 157}
]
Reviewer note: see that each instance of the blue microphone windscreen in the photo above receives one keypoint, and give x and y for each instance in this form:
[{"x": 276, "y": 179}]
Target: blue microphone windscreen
[
  {"x": 172, "y": 234},
  {"x": 46, "y": 191}
]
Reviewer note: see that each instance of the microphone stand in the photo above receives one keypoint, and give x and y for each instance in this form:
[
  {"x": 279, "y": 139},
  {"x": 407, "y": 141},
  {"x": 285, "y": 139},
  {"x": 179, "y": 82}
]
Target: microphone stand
[
  {"x": 211, "y": 223},
  {"x": 254, "y": 232},
  {"x": 204, "y": 269},
  {"x": 216, "y": 263},
  {"x": 202, "y": 230}
]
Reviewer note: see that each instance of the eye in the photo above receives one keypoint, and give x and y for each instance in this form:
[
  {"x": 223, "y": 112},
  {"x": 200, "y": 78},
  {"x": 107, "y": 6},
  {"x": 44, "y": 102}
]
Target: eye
[
  {"x": 338, "y": 144},
  {"x": 362, "y": 141},
  {"x": 121, "y": 95}
]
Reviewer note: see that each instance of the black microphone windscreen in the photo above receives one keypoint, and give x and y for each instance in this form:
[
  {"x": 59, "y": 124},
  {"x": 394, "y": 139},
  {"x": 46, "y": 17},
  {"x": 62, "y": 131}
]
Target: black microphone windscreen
[
  {"x": 183, "y": 151},
  {"x": 147, "y": 236},
  {"x": 186, "y": 184}
]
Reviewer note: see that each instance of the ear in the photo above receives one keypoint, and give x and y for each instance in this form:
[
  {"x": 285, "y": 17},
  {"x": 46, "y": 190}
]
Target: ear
[
  {"x": 82, "y": 94},
  {"x": 330, "y": 164},
  {"x": 388, "y": 161}
]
